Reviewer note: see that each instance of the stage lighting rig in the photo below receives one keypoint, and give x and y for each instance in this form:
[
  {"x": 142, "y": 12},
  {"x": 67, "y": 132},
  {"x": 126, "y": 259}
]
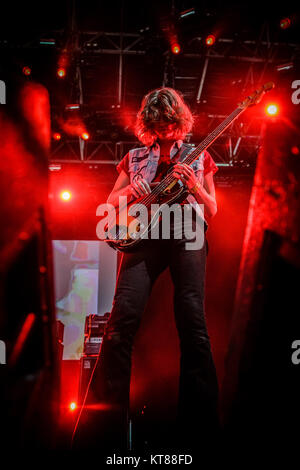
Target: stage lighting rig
[
  {"x": 186, "y": 13},
  {"x": 26, "y": 71},
  {"x": 272, "y": 109},
  {"x": 210, "y": 40}
]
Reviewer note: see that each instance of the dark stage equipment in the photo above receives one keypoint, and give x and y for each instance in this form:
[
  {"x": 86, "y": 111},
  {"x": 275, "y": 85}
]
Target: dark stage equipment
[
  {"x": 29, "y": 378},
  {"x": 261, "y": 386},
  {"x": 93, "y": 334}
]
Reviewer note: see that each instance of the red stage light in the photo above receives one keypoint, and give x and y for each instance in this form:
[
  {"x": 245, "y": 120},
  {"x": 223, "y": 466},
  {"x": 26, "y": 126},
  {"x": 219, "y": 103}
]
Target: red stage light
[
  {"x": 65, "y": 195},
  {"x": 295, "y": 150},
  {"x": 26, "y": 71},
  {"x": 56, "y": 136},
  {"x": 285, "y": 23},
  {"x": 175, "y": 48},
  {"x": 210, "y": 40},
  {"x": 61, "y": 72},
  {"x": 272, "y": 109},
  {"x": 73, "y": 406},
  {"x": 85, "y": 136}
]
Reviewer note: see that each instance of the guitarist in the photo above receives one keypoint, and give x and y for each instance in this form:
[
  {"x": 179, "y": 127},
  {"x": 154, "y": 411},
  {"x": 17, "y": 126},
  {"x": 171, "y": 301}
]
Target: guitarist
[{"x": 162, "y": 123}]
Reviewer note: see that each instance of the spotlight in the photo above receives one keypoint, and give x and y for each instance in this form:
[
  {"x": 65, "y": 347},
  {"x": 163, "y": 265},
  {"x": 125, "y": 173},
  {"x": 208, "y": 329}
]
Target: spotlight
[
  {"x": 73, "y": 406},
  {"x": 65, "y": 195},
  {"x": 272, "y": 109},
  {"x": 61, "y": 72},
  {"x": 26, "y": 71},
  {"x": 283, "y": 67},
  {"x": 54, "y": 167},
  {"x": 186, "y": 13},
  {"x": 85, "y": 136},
  {"x": 72, "y": 107},
  {"x": 56, "y": 136},
  {"x": 285, "y": 23},
  {"x": 175, "y": 48},
  {"x": 210, "y": 40},
  {"x": 63, "y": 64},
  {"x": 47, "y": 42}
]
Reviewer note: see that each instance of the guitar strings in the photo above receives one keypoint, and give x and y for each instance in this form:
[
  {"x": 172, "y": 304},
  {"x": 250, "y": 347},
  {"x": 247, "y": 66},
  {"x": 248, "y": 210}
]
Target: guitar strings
[{"x": 193, "y": 155}]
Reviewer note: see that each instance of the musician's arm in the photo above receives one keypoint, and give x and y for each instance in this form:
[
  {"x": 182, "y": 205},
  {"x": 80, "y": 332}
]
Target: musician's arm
[
  {"x": 206, "y": 195},
  {"x": 121, "y": 188}
]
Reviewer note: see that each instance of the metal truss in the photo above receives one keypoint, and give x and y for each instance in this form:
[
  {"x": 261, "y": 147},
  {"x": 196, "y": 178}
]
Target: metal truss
[
  {"x": 226, "y": 151},
  {"x": 239, "y": 142}
]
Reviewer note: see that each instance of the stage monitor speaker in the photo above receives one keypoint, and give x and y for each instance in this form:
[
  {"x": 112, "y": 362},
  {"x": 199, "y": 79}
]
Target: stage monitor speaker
[{"x": 93, "y": 334}]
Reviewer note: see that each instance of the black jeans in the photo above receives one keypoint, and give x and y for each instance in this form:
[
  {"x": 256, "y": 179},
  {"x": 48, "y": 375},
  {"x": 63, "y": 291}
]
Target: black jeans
[{"x": 198, "y": 388}]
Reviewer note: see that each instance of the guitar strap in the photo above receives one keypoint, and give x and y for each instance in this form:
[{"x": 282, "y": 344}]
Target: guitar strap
[
  {"x": 182, "y": 153},
  {"x": 178, "y": 157}
]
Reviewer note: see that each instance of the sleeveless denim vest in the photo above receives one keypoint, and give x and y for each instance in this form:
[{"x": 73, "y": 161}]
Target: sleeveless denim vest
[{"x": 144, "y": 161}]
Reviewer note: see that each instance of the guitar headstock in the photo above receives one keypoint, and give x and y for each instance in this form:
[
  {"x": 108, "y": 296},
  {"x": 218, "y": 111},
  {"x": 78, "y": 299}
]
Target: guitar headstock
[{"x": 256, "y": 96}]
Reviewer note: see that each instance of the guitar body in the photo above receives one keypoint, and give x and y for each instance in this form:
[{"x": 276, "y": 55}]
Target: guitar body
[{"x": 127, "y": 231}]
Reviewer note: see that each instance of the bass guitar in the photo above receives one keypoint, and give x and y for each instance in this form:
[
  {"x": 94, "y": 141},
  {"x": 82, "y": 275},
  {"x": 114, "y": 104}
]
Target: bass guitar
[{"x": 124, "y": 231}]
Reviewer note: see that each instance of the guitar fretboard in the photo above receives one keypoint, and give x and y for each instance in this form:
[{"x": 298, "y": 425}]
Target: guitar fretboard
[
  {"x": 195, "y": 154},
  {"x": 212, "y": 136}
]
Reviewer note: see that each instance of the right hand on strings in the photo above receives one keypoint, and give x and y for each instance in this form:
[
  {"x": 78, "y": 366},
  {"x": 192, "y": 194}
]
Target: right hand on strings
[{"x": 139, "y": 187}]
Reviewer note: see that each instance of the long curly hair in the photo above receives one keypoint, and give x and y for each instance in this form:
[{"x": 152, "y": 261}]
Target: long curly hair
[{"x": 162, "y": 104}]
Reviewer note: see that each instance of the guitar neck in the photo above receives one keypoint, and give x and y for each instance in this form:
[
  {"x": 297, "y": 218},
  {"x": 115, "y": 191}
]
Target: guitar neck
[
  {"x": 169, "y": 179},
  {"x": 213, "y": 136}
]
